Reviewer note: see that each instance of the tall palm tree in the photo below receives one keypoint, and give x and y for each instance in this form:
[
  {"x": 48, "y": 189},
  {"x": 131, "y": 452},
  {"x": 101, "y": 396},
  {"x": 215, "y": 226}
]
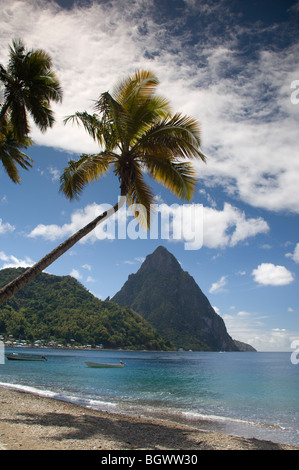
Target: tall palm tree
[
  {"x": 137, "y": 132},
  {"x": 28, "y": 86}
]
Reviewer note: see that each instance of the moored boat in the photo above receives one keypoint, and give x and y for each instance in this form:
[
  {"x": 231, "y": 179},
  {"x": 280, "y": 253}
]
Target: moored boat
[
  {"x": 103, "y": 365},
  {"x": 25, "y": 357}
]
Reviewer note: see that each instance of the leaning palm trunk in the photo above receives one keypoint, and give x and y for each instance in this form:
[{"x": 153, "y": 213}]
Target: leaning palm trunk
[
  {"x": 138, "y": 133},
  {"x": 14, "y": 286}
]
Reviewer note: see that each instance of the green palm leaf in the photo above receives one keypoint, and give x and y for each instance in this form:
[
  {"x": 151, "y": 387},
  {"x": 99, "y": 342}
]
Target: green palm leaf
[
  {"x": 179, "y": 135},
  {"x": 140, "y": 198},
  {"x": 10, "y": 154},
  {"x": 87, "y": 169},
  {"x": 178, "y": 177},
  {"x": 91, "y": 123}
]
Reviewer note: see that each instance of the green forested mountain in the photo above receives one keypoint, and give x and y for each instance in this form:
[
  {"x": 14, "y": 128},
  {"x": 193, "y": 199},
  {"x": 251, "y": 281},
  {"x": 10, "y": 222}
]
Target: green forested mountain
[{"x": 59, "y": 308}]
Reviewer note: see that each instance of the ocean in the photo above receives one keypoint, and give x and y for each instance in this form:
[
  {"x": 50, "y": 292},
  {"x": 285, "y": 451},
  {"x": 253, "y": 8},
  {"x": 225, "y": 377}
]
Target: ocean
[{"x": 249, "y": 394}]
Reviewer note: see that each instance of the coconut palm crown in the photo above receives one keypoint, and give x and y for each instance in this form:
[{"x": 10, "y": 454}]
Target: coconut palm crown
[
  {"x": 28, "y": 85},
  {"x": 137, "y": 133}
]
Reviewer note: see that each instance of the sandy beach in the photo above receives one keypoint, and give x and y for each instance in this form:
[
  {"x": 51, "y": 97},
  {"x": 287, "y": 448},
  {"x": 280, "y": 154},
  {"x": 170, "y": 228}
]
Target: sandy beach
[{"x": 30, "y": 422}]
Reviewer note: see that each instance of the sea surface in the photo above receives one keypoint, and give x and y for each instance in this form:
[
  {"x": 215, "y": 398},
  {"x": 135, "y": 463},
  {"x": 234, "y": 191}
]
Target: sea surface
[{"x": 249, "y": 394}]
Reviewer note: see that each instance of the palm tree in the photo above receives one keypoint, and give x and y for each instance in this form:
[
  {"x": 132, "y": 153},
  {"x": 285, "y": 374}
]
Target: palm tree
[
  {"x": 28, "y": 86},
  {"x": 138, "y": 133},
  {"x": 10, "y": 153}
]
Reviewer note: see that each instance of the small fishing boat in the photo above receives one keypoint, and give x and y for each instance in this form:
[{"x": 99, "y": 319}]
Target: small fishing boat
[
  {"x": 25, "y": 357},
  {"x": 103, "y": 365}
]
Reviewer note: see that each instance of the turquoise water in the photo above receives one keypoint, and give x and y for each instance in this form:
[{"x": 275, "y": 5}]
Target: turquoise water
[{"x": 246, "y": 394}]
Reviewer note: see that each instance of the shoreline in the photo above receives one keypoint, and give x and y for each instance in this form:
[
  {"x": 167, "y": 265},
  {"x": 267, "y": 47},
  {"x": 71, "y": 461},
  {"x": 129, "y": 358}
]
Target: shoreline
[{"x": 31, "y": 422}]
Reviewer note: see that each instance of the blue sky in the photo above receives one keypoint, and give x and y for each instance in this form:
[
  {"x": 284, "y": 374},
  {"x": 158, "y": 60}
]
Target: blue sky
[{"x": 233, "y": 65}]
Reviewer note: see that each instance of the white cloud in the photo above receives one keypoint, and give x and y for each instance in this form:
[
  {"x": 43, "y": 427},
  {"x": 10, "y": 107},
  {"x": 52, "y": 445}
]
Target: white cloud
[
  {"x": 55, "y": 173},
  {"x": 269, "y": 274},
  {"x": 229, "y": 226},
  {"x": 251, "y": 328},
  {"x": 232, "y": 225},
  {"x": 217, "y": 310},
  {"x": 218, "y": 286},
  {"x": 11, "y": 261},
  {"x": 249, "y": 125},
  {"x": 220, "y": 228},
  {"x": 6, "y": 227},
  {"x": 76, "y": 274},
  {"x": 295, "y": 255},
  {"x": 243, "y": 314},
  {"x": 86, "y": 266},
  {"x": 79, "y": 219},
  {"x": 241, "y": 273},
  {"x": 138, "y": 259}
]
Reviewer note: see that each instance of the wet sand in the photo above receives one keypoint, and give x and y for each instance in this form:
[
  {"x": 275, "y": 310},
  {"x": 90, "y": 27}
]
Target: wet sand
[{"x": 30, "y": 422}]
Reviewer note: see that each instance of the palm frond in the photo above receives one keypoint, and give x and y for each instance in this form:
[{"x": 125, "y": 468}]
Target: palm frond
[
  {"x": 146, "y": 115},
  {"x": 10, "y": 154},
  {"x": 30, "y": 85},
  {"x": 138, "y": 87},
  {"x": 178, "y": 177},
  {"x": 140, "y": 198},
  {"x": 115, "y": 118},
  {"x": 91, "y": 123},
  {"x": 43, "y": 80},
  {"x": 19, "y": 120},
  {"x": 86, "y": 169},
  {"x": 178, "y": 134},
  {"x": 41, "y": 112}
]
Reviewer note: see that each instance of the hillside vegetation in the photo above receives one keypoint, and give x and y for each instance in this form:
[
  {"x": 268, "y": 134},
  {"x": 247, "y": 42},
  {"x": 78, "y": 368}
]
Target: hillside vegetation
[{"x": 59, "y": 308}]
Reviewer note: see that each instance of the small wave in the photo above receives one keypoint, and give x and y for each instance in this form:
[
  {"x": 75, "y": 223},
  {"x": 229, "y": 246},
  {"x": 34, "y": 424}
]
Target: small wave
[
  {"x": 77, "y": 400},
  {"x": 225, "y": 419},
  {"x": 186, "y": 417},
  {"x": 28, "y": 389}
]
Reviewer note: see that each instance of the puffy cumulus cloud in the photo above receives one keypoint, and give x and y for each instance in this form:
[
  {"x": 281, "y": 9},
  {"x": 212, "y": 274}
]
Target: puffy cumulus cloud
[
  {"x": 79, "y": 219},
  {"x": 243, "y": 101},
  {"x": 103, "y": 50},
  {"x": 269, "y": 274},
  {"x": 11, "y": 261},
  {"x": 294, "y": 256},
  {"x": 76, "y": 274},
  {"x": 229, "y": 226},
  {"x": 216, "y": 229}
]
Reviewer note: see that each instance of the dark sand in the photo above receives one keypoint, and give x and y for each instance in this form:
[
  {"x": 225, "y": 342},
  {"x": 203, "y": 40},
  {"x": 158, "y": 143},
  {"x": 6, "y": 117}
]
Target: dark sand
[{"x": 30, "y": 422}]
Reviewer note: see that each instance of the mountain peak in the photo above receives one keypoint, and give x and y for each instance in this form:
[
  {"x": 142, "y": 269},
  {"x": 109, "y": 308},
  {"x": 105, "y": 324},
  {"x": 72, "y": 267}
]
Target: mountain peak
[
  {"x": 162, "y": 260},
  {"x": 171, "y": 301}
]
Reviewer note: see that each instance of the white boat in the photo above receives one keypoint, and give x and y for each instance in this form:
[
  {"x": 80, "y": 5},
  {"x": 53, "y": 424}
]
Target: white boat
[
  {"x": 103, "y": 365},
  {"x": 25, "y": 357}
]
